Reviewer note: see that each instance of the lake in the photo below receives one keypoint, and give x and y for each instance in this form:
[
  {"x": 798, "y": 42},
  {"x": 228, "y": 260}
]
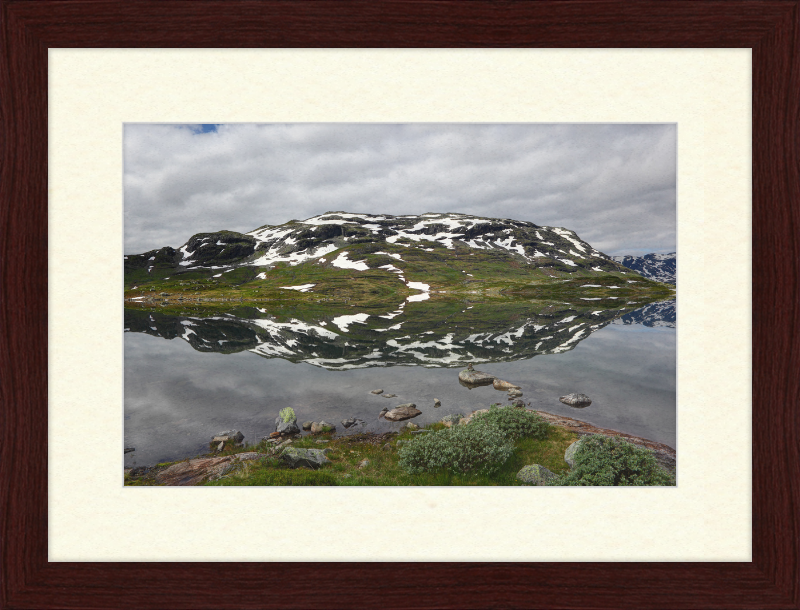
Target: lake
[{"x": 188, "y": 377}]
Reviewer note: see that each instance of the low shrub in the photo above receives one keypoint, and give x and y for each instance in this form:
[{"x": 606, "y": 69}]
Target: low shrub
[
  {"x": 287, "y": 414},
  {"x": 481, "y": 449},
  {"x": 514, "y": 423},
  {"x": 601, "y": 460}
]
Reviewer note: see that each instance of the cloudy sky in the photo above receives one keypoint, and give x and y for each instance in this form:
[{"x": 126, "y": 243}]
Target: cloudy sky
[{"x": 613, "y": 184}]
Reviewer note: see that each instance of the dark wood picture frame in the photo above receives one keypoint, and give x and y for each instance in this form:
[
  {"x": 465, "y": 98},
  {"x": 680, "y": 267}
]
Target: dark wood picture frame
[{"x": 29, "y": 27}]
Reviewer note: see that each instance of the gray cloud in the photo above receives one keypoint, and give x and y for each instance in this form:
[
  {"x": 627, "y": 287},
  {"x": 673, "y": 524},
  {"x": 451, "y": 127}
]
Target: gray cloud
[{"x": 614, "y": 184}]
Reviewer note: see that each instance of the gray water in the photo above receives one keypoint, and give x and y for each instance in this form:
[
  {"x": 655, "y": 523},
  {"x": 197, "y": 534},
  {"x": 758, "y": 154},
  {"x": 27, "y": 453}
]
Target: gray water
[{"x": 178, "y": 396}]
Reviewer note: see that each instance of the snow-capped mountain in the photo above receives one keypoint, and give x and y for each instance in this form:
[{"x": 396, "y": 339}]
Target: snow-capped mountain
[
  {"x": 361, "y": 242},
  {"x": 658, "y": 267}
]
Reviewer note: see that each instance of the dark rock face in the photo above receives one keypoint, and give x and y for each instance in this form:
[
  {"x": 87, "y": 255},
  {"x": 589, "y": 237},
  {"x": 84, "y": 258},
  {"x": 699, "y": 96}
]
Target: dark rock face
[{"x": 658, "y": 267}]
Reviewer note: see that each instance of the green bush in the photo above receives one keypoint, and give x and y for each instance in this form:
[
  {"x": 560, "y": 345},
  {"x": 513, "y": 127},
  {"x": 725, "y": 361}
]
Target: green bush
[
  {"x": 600, "y": 460},
  {"x": 514, "y": 423},
  {"x": 481, "y": 449},
  {"x": 287, "y": 414}
]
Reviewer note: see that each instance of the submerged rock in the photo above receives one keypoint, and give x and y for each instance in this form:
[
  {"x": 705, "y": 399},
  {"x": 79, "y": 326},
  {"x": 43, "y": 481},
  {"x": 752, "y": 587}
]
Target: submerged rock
[
  {"x": 535, "y": 474},
  {"x": 576, "y": 400},
  {"x": 499, "y": 384},
  {"x": 129, "y": 449},
  {"x": 401, "y": 412},
  {"x": 390, "y": 395},
  {"x": 514, "y": 394},
  {"x": 304, "y": 458}
]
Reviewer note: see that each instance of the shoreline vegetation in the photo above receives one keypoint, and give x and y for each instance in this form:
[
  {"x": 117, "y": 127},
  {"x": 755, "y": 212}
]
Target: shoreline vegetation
[{"x": 500, "y": 446}]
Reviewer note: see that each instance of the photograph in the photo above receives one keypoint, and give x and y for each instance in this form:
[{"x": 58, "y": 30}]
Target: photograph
[{"x": 411, "y": 304}]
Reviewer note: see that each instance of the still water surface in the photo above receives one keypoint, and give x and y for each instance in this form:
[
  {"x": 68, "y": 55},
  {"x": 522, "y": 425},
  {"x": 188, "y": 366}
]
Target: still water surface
[{"x": 179, "y": 393}]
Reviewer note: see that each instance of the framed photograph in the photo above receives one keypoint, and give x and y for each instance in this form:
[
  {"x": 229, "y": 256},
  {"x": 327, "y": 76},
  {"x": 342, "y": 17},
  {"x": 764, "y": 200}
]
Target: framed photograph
[{"x": 61, "y": 352}]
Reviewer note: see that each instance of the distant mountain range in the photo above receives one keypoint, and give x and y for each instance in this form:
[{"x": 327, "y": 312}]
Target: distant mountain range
[
  {"x": 426, "y": 252},
  {"x": 656, "y": 267}
]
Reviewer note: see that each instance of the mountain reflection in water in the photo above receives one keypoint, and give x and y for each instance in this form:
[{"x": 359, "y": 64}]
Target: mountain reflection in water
[{"x": 180, "y": 393}]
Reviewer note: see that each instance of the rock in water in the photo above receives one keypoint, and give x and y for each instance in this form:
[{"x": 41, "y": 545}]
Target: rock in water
[
  {"x": 228, "y": 435},
  {"x": 535, "y": 474},
  {"x": 401, "y": 412},
  {"x": 286, "y": 427},
  {"x": 377, "y": 392},
  {"x": 472, "y": 377},
  {"x": 304, "y": 458},
  {"x": 322, "y": 426},
  {"x": 499, "y": 384},
  {"x": 437, "y": 403},
  {"x": 576, "y": 400},
  {"x": 307, "y": 425}
]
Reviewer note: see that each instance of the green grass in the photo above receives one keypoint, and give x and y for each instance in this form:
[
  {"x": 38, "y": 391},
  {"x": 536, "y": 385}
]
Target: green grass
[{"x": 384, "y": 470}]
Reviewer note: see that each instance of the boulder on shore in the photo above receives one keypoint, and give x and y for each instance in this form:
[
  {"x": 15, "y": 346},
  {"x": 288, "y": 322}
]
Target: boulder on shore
[
  {"x": 453, "y": 418},
  {"x": 535, "y": 474},
  {"x": 304, "y": 458},
  {"x": 228, "y": 435},
  {"x": 576, "y": 400},
  {"x": 401, "y": 412},
  {"x": 199, "y": 470},
  {"x": 569, "y": 454},
  {"x": 307, "y": 425}
]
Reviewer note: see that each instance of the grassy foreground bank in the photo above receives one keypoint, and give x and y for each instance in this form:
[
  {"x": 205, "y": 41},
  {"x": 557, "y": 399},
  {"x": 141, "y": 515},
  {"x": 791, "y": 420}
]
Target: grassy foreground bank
[{"x": 490, "y": 449}]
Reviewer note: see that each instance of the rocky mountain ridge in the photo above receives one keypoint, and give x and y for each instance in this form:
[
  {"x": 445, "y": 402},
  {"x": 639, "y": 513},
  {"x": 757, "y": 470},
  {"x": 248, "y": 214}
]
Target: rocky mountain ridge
[
  {"x": 656, "y": 267},
  {"x": 361, "y": 242}
]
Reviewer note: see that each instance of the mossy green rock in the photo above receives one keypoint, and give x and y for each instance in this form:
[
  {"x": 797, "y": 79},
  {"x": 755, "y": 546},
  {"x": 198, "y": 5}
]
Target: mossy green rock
[{"x": 535, "y": 474}]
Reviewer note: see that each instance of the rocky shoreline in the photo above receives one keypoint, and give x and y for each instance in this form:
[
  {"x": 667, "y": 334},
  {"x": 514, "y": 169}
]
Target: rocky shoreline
[{"x": 665, "y": 454}]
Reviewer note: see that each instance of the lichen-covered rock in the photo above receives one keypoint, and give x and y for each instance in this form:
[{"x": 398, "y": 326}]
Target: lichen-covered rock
[
  {"x": 576, "y": 400},
  {"x": 499, "y": 384},
  {"x": 304, "y": 458},
  {"x": 535, "y": 474},
  {"x": 401, "y": 412},
  {"x": 569, "y": 454}
]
